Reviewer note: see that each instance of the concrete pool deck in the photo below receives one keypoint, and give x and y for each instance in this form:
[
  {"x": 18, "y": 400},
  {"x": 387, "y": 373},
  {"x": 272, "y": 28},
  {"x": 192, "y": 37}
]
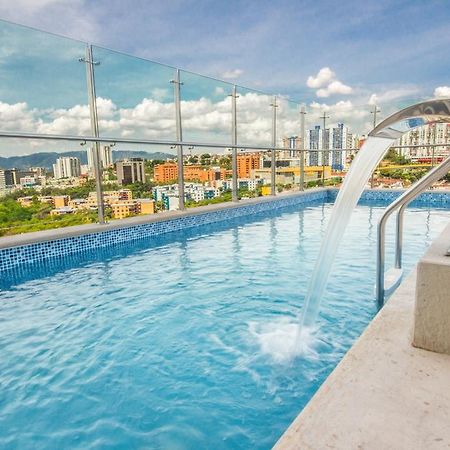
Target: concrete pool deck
[{"x": 384, "y": 394}]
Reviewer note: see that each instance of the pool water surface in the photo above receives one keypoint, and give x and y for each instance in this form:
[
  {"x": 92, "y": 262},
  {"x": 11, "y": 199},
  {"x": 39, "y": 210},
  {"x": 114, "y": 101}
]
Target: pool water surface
[{"x": 183, "y": 341}]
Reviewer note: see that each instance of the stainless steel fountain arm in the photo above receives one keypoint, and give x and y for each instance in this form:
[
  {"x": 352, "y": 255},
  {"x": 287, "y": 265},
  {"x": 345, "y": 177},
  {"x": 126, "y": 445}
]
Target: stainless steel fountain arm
[{"x": 431, "y": 111}]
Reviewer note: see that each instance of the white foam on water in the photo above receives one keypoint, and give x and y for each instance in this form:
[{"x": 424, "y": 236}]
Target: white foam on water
[{"x": 282, "y": 341}]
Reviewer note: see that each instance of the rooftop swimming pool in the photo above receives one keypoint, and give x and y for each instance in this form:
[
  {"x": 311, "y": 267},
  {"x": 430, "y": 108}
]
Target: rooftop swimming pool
[{"x": 184, "y": 340}]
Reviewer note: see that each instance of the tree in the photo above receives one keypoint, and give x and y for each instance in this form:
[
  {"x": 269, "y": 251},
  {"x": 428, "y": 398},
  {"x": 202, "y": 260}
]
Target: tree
[{"x": 205, "y": 159}]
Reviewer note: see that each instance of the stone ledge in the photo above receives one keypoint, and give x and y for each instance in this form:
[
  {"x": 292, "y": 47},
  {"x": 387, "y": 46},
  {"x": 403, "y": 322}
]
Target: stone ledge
[
  {"x": 384, "y": 394},
  {"x": 432, "y": 311}
]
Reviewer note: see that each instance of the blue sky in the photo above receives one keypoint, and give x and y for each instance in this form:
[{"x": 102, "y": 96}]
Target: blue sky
[{"x": 333, "y": 56}]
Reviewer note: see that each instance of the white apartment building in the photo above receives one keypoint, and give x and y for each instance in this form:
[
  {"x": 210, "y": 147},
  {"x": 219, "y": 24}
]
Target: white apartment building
[
  {"x": 67, "y": 167},
  {"x": 437, "y": 133},
  {"x": 2, "y": 179},
  {"x": 105, "y": 154},
  {"x": 249, "y": 183}
]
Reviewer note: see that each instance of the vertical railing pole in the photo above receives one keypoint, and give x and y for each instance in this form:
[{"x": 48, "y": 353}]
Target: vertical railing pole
[
  {"x": 90, "y": 76},
  {"x": 303, "y": 147},
  {"x": 234, "y": 163},
  {"x": 324, "y": 118},
  {"x": 274, "y": 144},
  {"x": 177, "y": 99},
  {"x": 379, "y": 289},
  {"x": 374, "y": 112}
]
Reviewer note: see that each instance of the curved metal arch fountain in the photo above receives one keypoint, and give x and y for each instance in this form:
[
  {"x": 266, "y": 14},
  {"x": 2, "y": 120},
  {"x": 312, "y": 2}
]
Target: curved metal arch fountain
[{"x": 367, "y": 159}]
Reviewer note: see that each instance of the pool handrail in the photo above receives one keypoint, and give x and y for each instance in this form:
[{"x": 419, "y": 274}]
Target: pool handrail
[{"x": 433, "y": 111}]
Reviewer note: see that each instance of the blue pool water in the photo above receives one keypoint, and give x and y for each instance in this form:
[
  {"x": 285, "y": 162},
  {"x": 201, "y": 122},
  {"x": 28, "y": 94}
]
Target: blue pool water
[{"x": 184, "y": 341}]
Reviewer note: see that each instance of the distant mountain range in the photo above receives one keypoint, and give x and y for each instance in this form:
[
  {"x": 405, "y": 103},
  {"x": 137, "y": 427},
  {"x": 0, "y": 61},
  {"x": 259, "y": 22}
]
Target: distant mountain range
[{"x": 47, "y": 159}]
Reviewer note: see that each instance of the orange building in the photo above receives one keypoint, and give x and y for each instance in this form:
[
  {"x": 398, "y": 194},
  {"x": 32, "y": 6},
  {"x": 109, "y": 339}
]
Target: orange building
[
  {"x": 247, "y": 162},
  {"x": 165, "y": 172},
  {"x": 59, "y": 201},
  {"x": 198, "y": 173},
  {"x": 133, "y": 207}
]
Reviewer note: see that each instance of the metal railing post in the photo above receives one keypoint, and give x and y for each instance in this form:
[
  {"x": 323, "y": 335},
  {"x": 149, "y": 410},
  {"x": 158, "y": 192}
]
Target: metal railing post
[
  {"x": 274, "y": 145},
  {"x": 90, "y": 77},
  {"x": 177, "y": 99},
  {"x": 234, "y": 163},
  {"x": 323, "y": 168},
  {"x": 303, "y": 147}
]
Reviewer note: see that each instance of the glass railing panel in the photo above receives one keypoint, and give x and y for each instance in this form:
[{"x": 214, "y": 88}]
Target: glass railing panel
[
  {"x": 206, "y": 111},
  {"x": 135, "y": 97},
  {"x": 43, "y": 90},
  {"x": 132, "y": 185},
  {"x": 43, "y": 83}
]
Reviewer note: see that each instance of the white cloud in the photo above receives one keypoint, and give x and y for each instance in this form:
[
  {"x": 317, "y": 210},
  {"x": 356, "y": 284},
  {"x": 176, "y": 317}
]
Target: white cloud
[
  {"x": 393, "y": 94},
  {"x": 323, "y": 78},
  {"x": 160, "y": 93},
  {"x": 442, "y": 92},
  {"x": 356, "y": 117},
  {"x": 232, "y": 74},
  {"x": 16, "y": 117},
  {"x": 335, "y": 87},
  {"x": 203, "y": 119},
  {"x": 326, "y": 84}
]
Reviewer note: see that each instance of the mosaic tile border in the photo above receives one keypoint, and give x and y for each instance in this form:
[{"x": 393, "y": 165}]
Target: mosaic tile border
[
  {"x": 25, "y": 255},
  {"x": 429, "y": 198}
]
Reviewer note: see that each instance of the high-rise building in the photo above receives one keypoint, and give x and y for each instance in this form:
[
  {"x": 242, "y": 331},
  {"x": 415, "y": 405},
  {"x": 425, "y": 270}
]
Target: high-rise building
[
  {"x": 130, "y": 171},
  {"x": 315, "y": 142},
  {"x": 105, "y": 157},
  {"x": 2, "y": 179},
  {"x": 332, "y": 139},
  {"x": 67, "y": 167},
  {"x": 291, "y": 143},
  {"x": 341, "y": 137}
]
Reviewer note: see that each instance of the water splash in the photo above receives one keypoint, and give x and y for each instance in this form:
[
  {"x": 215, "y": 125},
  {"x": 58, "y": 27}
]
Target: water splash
[
  {"x": 282, "y": 341},
  {"x": 361, "y": 168}
]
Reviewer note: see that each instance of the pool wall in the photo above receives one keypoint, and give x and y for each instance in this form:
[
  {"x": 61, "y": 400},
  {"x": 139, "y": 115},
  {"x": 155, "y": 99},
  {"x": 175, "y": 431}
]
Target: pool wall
[{"x": 30, "y": 248}]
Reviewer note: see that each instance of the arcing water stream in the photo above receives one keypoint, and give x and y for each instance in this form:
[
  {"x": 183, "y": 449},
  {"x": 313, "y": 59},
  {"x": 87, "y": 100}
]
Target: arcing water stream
[{"x": 361, "y": 168}]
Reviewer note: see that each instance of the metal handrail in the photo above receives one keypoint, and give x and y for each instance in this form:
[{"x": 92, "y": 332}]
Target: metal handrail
[
  {"x": 169, "y": 143},
  {"x": 401, "y": 203}
]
